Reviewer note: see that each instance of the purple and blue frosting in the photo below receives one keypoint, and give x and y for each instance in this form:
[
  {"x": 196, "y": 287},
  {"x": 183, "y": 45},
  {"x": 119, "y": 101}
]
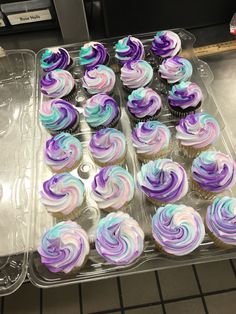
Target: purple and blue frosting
[
  {"x": 55, "y": 58},
  {"x": 166, "y": 44},
  {"x": 128, "y": 49},
  {"x": 93, "y": 54}
]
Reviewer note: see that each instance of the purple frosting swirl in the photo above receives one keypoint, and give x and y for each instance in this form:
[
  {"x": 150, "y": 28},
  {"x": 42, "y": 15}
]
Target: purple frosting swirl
[
  {"x": 128, "y": 49},
  {"x": 92, "y": 54},
  {"x": 166, "y": 44},
  {"x": 55, "y": 58}
]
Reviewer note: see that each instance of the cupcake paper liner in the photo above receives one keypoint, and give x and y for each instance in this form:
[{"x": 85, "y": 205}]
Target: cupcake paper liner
[
  {"x": 207, "y": 195},
  {"x": 192, "y": 152}
]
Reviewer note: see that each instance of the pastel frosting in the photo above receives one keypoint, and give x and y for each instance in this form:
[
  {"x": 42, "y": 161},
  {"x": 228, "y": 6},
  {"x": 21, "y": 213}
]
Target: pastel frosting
[
  {"x": 214, "y": 171},
  {"x": 185, "y": 95},
  {"x": 221, "y": 219},
  {"x": 55, "y": 58},
  {"x": 108, "y": 146},
  {"x": 135, "y": 74},
  {"x": 62, "y": 152},
  {"x": 112, "y": 188},
  {"x": 177, "y": 229},
  {"x": 101, "y": 110},
  {"x": 64, "y": 247},
  {"x": 129, "y": 48},
  {"x": 150, "y": 137},
  {"x": 163, "y": 180},
  {"x": 57, "y": 84},
  {"x": 175, "y": 69},
  {"x": 119, "y": 239},
  {"x": 62, "y": 193},
  {"x": 58, "y": 115},
  {"x": 92, "y": 54},
  {"x": 166, "y": 44},
  {"x": 144, "y": 102},
  {"x": 198, "y": 130},
  {"x": 99, "y": 79}
]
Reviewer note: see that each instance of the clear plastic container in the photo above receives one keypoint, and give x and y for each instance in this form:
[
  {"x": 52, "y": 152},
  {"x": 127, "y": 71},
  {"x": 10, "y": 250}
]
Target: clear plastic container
[{"x": 96, "y": 268}]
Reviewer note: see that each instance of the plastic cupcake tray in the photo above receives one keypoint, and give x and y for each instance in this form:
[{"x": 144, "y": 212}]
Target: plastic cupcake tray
[{"x": 23, "y": 171}]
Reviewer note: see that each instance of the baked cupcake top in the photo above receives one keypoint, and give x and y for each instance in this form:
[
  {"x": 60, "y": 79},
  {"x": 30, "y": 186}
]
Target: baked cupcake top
[
  {"x": 99, "y": 79},
  {"x": 119, "y": 239},
  {"x": 101, "y": 110},
  {"x": 163, "y": 180},
  {"x": 129, "y": 48},
  {"x": 135, "y": 74},
  {"x": 112, "y": 188},
  {"x": 198, "y": 130},
  {"x": 143, "y": 102},
  {"x": 150, "y": 137},
  {"x": 62, "y": 151},
  {"x": 64, "y": 247},
  {"x": 58, "y": 115},
  {"x": 185, "y": 95},
  {"x": 62, "y": 193},
  {"x": 214, "y": 171},
  {"x": 176, "y": 69},
  {"x": 108, "y": 146},
  {"x": 92, "y": 54},
  {"x": 221, "y": 219},
  {"x": 178, "y": 229},
  {"x": 166, "y": 44},
  {"x": 57, "y": 84},
  {"x": 55, "y": 58}
]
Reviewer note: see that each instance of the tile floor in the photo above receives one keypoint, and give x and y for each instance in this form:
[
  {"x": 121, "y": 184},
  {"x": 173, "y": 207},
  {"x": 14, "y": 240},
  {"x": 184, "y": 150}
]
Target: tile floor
[{"x": 204, "y": 288}]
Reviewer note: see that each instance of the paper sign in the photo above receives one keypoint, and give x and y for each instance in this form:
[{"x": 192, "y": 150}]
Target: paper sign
[
  {"x": 2, "y": 24},
  {"x": 29, "y": 17}
]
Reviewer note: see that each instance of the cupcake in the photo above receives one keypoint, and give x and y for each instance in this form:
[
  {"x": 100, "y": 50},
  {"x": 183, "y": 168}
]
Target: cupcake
[
  {"x": 99, "y": 79},
  {"x": 101, "y": 111},
  {"x": 221, "y": 221},
  {"x": 55, "y": 58},
  {"x": 184, "y": 98},
  {"x": 128, "y": 49},
  {"x": 213, "y": 173},
  {"x": 163, "y": 181},
  {"x": 63, "y": 195},
  {"x": 58, "y": 115},
  {"x": 119, "y": 239},
  {"x": 64, "y": 248},
  {"x": 63, "y": 152},
  {"x": 144, "y": 104},
  {"x": 112, "y": 188},
  {"x": 92, "y": 54},
  {"x": 108, "y": 147},
  {"x": 58, "y": 84},
  {"x": 151, "y": 140},
  {"x": 175, "y": 69},
  {"x": 135, "y": 74},
  {"x": 166, "y": 44},
  {"x": 196, "y": 133},
  {"x": 177, "y": 229}
]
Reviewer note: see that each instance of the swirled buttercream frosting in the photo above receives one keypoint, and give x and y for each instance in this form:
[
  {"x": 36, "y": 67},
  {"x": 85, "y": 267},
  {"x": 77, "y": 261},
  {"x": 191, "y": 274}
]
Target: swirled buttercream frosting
[
  {"x": 55, "y": 58},
  {"x": 62, "y": 193},
  {"x": 177, "y": 229},
  {"x": 101, "y": 111},
  {"x": 57, "y": 84},
  {"x": 166, "y": 44},
  {"x": 135, "y": 74},
  {"x": 58, "y": 115},
  {"x": 108, "y": 146},
  {"x": 128, "y": 49},
  {"x": 64, "y": 247},
  {"x": 214, "y": 171},
  {"x": 112, "y": 188},
  {"x": 221, "y": 219},
  {"x": 99, "y": 79},
  {"x": 92, "y": 54},
  {"x": 163, "y": 181},
  {"x": 150, "y": 138},
  {"x": 175, "y": 69},
  {"x": 198, "y": 130},
  {"x": 119, "y": 239},
  {"x": 144, "y": 102},
  {"x": 63, "y": 152}
]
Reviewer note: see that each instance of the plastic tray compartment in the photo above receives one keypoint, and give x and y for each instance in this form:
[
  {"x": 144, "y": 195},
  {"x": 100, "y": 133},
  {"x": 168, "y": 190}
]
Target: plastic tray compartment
[
  {"x": 96, "y": 268},
  {"x": 17, "y": 114}
]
